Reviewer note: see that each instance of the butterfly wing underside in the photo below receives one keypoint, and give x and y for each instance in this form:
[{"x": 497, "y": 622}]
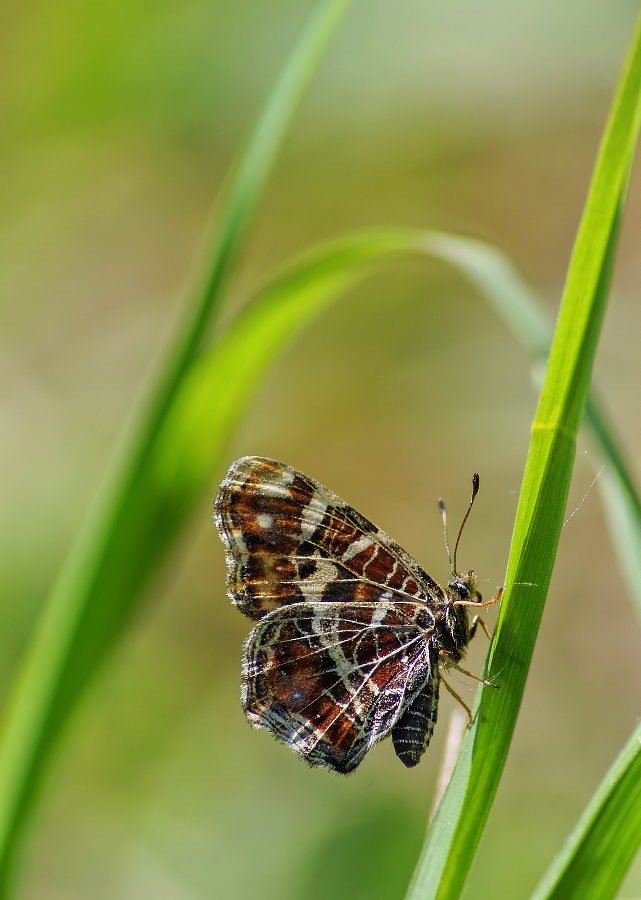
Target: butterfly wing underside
[
  {"x": 332, "y": 679},
  {"x": 290, "y": 540},
  {"x": 341, "y": 653}
]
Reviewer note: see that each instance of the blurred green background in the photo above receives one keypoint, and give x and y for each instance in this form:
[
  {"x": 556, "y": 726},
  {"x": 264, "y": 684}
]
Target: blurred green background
[{"x": 117, "y": 124}]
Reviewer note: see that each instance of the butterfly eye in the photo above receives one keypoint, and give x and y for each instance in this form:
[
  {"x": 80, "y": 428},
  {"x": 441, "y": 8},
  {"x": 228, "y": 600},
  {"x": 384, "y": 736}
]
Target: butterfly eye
[{"x": 460, "y": 587}]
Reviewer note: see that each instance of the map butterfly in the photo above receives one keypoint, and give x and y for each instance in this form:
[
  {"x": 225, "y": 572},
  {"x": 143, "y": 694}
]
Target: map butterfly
[{"x": 352, "y": 634}]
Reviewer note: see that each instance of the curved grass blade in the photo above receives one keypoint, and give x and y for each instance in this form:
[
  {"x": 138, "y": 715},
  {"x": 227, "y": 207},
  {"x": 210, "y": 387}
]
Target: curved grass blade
[
  {"x": 459, "y": 822},
  {"x": 597, "y": 854},
  {"x": 132, "y": 525},
  {"x": 622, "y": 511}
]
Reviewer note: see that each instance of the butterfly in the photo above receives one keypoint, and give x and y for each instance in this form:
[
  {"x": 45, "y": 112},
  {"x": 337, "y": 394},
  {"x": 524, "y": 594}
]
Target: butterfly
[{"x": 352, "y": 634}]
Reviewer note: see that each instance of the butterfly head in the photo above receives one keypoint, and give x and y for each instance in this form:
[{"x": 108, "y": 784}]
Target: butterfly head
[{"x": 463, "y": 587}]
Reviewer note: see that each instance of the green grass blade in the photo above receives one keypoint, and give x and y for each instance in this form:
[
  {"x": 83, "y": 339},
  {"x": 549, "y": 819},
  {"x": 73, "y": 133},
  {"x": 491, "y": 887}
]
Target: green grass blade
[
  {"x": 133, "y": 523},
  {"x": 462, "y": 814},
  {"x": 596, "y": 856},
  {"x": 621, "y": 505}
]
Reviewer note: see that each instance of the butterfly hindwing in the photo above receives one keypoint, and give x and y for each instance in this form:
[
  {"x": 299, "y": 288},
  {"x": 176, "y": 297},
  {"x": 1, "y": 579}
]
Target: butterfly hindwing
[{"x": 332, "y": 679}]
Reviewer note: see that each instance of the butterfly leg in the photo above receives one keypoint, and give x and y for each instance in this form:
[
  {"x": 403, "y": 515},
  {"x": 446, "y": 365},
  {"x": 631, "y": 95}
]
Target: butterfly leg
[
  {"x": 477, "y": 620},
  {"x": 476, "y": 677},
  {"x": 494, "y": 599},
  {"x": 460, "y": 700}
]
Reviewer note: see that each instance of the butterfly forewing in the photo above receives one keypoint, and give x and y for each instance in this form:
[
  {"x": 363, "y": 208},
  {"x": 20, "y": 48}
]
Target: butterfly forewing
[{"x": 290, "y": 540}]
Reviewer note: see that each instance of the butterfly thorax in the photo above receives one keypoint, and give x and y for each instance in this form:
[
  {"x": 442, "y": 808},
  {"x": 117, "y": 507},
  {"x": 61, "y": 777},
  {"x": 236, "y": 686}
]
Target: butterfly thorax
[{"x": 452, "y": 620}]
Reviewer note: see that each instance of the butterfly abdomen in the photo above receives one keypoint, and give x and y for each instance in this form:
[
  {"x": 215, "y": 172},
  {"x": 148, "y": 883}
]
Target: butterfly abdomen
[{"x": 412, "y": 733}]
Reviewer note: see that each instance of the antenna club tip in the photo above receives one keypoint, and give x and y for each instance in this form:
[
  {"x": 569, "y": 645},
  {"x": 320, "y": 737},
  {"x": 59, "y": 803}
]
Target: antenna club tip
[
  {"x": 475, "y": 484},
  {"x": 441, "y": 505}
]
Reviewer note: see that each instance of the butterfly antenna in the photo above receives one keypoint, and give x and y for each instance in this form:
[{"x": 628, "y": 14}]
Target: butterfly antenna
[
  {"x": 441, "y": 506},
  {"x": 475, "y": 490}
]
